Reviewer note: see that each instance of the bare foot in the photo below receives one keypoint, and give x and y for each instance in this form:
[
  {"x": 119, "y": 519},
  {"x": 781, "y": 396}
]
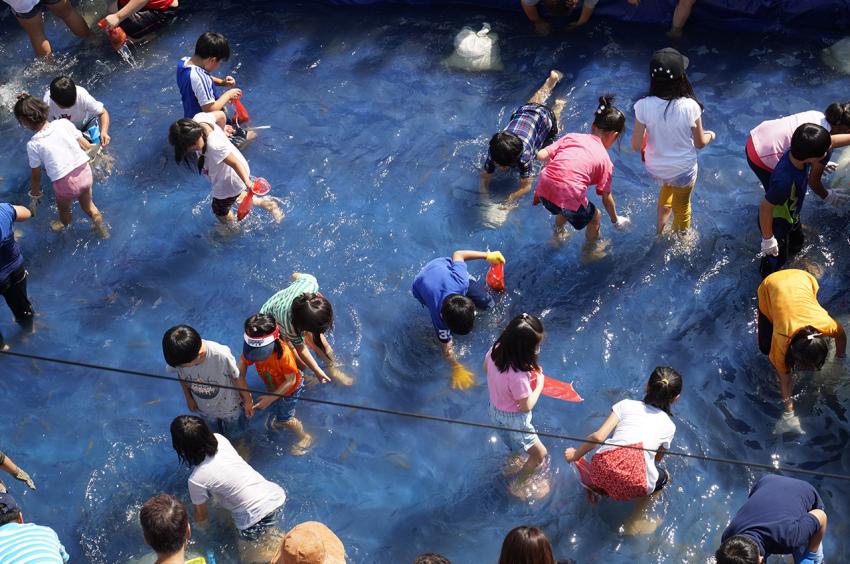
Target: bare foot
[
  {"x": 301, "y": 447},
  {"x": 560, "y": 236},
  {"x": 513, "y": 465},
  {"x": 594, "y": 251},
  {"x": 640, "y": 527},
  {"x": 57, "y": 226},
  {"x": 555, "y": 76},
  {"x": 534, "y": 488},
  {"x": 339, "y": 376},
  {"x": 101, "y": 229}
]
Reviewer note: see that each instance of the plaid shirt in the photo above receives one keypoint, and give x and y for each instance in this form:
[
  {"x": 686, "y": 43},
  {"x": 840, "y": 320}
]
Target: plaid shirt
[{"x": 532, "y": 123}]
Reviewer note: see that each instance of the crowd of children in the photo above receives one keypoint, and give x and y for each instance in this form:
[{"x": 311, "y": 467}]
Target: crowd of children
[{"x": 787, "y": 155}]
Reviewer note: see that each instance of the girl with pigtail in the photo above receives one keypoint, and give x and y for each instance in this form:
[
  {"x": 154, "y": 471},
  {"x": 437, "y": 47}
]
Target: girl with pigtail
[{"x": 574, "y": 163}]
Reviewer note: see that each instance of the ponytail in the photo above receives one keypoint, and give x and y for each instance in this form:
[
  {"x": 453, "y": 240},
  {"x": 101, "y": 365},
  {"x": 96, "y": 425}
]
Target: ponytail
[
  {"x": 607, "y": 117},
  {"x": 838, "y": 114},
  {"x": 807, "y": 350},
  {"x": 665, "y": 385}
]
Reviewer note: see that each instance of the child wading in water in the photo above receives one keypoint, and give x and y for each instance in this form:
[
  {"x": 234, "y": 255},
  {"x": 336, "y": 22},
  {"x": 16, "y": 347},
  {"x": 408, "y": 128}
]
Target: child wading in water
[
  {"x": 277, "y": 365},
  {"x": 576, "y": 161},
  {"x": 631, "y": 473},
  {"x": 61, "y": 149},
  {"x": 220, "y": 161},
  {"x": 670, "y": 116},
  {"x": 515, "y": 383}
]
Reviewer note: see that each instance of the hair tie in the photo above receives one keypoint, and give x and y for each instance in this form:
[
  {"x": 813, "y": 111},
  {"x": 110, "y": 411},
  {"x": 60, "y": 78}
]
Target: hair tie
[
  {"x": 665, "y": 381},
  {"x": 600, "y": 109},
  {"x": 813, "y": 335}
]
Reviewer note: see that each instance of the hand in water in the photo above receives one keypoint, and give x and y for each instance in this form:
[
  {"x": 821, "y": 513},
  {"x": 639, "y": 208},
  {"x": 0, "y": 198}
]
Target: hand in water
[
  {"x": 24, "y": 477},
  {"x": 622, "y": 223},
  {"x": 112, "y": 21},
  {"x": 105, "y": 139},
  {"x": 770, "y": 247},
  {"x": 462, "y": 379},
  {"x": 830, "y": 167},
  {"x": 788, "y": 423},
  {"x": 570, "y": 455}
]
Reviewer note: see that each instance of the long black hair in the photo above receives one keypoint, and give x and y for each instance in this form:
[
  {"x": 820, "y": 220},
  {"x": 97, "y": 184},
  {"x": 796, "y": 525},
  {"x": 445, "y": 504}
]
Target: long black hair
[
  {"x": 517, "y": 346},
  {"x": 192, "y": 439},
  {"x": 665, "y": 385},
  {"x": 607, "y": 117},
  {"x": 807, "y": 350},
  {"x": 838, "y": 114},
  {"x": 670, "y": 90},
  {"x": 312, "y": 313},
  {"x": 182, "y": 135}
]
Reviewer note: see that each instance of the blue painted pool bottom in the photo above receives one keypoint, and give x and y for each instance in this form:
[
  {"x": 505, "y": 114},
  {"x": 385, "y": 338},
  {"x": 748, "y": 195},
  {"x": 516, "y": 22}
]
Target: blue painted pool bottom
[{"x": 374, "y": 146}]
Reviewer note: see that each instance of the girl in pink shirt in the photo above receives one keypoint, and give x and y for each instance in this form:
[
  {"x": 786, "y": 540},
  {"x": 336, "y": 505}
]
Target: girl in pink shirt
[
  {"x": 515, "y": 383},
  {"x": 573, "y": 163}
]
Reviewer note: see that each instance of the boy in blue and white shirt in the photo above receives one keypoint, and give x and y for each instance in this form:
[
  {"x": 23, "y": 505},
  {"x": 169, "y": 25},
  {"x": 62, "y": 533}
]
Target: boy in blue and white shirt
[{"x": 26, "y": 542}]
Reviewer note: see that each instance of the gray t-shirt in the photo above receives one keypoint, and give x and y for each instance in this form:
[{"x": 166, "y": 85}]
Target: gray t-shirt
[{"x": 218, "y": 367}]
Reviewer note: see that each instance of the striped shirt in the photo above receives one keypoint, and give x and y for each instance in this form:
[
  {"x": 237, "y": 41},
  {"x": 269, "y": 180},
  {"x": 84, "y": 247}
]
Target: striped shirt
[
  {"x": 533, "y": 124},
  {"x": 280, "y": 305},
  {"x": 30, "y": 544},
  {"x": 196, "y": 87}
]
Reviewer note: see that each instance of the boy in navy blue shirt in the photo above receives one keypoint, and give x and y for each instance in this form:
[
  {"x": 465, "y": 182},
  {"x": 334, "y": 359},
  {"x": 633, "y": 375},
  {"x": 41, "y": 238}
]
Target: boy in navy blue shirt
[
  {"x": 13, "y": 273},
  {"x": 451, "y": 296},
  {"x": 779, "y": 213},
  {"x": 781, "y": 516}
]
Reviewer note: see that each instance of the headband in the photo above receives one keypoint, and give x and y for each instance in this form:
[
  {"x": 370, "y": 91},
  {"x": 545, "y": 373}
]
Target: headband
[{"x": 263, "y": 341}]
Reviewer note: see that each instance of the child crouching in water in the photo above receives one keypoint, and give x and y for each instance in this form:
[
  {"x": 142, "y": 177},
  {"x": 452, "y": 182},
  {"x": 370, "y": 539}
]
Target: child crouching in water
[
  {"x": 277, "y": 365},
  {"x": 515, "y": 383},
  {"x": 220, "y": 161},
  {"x": 61, "y": 149}
]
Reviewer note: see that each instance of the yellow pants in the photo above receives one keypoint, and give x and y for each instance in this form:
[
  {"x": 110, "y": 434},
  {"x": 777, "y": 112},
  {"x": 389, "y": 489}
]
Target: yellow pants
[{"x": 678, "y": 198}]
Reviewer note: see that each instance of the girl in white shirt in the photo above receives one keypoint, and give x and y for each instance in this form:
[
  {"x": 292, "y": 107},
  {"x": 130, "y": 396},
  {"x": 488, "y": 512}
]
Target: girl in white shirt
[
  {"x": 220, "y": 161},
  {"x": 61, "y": 149},
  {"x": 670, "y": 118}
]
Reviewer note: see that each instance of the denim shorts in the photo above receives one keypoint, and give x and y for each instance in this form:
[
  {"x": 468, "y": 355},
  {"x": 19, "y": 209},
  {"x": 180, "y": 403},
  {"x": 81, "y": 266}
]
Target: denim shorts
[
  {"x": 262, "y": 526},
  {"x": 232, "y": 428},
  {"x": 578, "y": 219},
  {"x": 284, "y": 408},
  {"x": 516, "y": 441}
]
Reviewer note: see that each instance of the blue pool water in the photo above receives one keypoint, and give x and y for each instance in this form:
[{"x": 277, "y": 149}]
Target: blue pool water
[{"x": 373, "y": 147}]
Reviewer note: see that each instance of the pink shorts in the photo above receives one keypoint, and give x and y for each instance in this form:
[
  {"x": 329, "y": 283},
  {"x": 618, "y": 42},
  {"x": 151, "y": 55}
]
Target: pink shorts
[{"x": 70, "y": 186}]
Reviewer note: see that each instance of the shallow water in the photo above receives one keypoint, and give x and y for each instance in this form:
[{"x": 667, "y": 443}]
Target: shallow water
[{"x": 373, "y": 148}]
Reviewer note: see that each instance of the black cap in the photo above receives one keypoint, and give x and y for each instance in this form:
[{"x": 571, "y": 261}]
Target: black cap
[
  {"x": 8, "y": 504},
  {"x": 667, "y": 64}
]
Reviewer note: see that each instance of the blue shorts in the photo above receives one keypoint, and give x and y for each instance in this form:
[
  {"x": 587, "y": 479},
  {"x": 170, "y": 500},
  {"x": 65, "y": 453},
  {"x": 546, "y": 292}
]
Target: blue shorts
[
  {"x": 578, "y": 219},
  {"x": 262, "y": 526},
  {"x": 515, "y": 420},
  {"x": 36, "y": 10},
  {"x": 232, "y": 428},
  {"x": 284, "y": 408}
]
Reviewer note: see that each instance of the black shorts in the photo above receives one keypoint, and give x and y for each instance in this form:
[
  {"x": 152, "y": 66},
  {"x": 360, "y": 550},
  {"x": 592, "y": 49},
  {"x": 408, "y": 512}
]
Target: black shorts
[
  {"x": 221, "y": 208},
  {"x": 553, "y": 131},
  {"x": 36, "y": 10},
  {"x": 578, "y": 219},
  {"x": 145, "y": 22}
]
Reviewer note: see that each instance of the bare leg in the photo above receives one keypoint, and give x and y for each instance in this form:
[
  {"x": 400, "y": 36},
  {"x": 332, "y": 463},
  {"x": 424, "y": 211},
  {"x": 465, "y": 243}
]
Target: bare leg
[
  {"x": 262, "y": 550},
  {"x": 35, "y": 30},
  {"x": 560, "y": 233},
  {"x": 536, "y": 454},
  {"x": 64, "y": 215},
  {"x": 664, "y": 214},
  {"x": 270, "y": 206},
  {"x": 638, "y": 523},
  {"x": 87, "y": 204},
  {"x": 305, "y": 440},
  {"x": 680, "y": 17},
  {"x": 75, "y": 22},
  {"x": 593, "y": 228},
  {"x": 545, "y": 91},
  {"x": 558, "y": 108},
  {"x": 333, "y": 367}
]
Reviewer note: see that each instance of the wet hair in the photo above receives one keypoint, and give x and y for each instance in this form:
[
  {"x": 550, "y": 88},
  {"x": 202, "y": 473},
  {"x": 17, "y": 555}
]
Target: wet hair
[
  {"x": 505, "y": 148},
  {"x": 809, "y": 141},
  {"x": 31, "y": 111},
  {"x": 165, "y": 523},
  {"x": 526, "y": 545},
  {"x": 182, "y": 135},
  {"x": 192, "y": 439},
  {"x": 312, "y": 313},
  {"x": 63, "y": 91},
  {"x": 607, "y": 117},
  {"x": 665, "y": 385},
  {"x": 807, "y": 350},
  {"x": 262, "y": 324},
  {"x": 458, "y": 313},
  {"x": 431, "y": 558},
  {"x": 212, "y": 44},
  {"x": 180, "y": 345},
  {"x": 516, "y": 348},
  {"x": 739, "y": 549},
  {"x": 671, "y": 90},
  {"x": 838, "y": 114}
]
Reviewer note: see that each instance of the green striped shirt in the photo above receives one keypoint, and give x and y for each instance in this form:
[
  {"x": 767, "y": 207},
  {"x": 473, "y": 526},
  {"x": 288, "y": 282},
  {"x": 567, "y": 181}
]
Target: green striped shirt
[{"x": 280, "y": 305}]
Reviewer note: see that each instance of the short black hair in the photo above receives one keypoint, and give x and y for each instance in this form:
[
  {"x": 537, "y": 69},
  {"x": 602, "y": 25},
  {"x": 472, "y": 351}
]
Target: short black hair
[
  {"x": 458, "y": 313},
  {"x": 505, "y": 148},
  {"x": 192, "y": 439},
  {"x": 165, "y": 523},
  {"x": 63, "y": 91},
  {"x": 212, "y": 44},
  {"x": 739, "y": 549},
  {"x": 431, "y": 558},
  {"x": 9, "y": 516},
  {"x": 809, "y": 141},
  {"x": 30, "y": 111},
  {"x": 180, "y": 345}
]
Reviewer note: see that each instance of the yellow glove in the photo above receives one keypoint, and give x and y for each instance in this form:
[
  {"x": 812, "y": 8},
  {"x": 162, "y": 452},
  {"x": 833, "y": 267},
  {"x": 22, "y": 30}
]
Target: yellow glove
[
  {"x": 462, "y": 378},
  {"x": 495, "y": 257}
]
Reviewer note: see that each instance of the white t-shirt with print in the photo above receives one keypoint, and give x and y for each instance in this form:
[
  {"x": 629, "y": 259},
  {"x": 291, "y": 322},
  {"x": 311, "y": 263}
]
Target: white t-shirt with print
[
  {"x": 56, "y": 148},
  {"x": 641, "y": 423},
  {"x": 225, "y": 182},
  {"x": 218, "y": 367},
  {"x": 670, "y": 150},
  {"x": 80, "y": 113},
  {"x": 235, "y": 486}
]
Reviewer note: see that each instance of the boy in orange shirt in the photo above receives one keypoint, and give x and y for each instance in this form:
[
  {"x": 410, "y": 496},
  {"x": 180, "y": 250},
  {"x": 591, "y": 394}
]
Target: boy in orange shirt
[{"x": 277, "y": 366}]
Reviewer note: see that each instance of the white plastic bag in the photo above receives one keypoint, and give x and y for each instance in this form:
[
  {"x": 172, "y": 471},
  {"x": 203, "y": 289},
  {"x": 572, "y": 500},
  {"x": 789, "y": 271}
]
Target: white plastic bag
[{"x": 476, "y": 50}]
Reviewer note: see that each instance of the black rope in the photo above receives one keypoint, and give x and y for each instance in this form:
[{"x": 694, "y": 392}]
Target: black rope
[{"x": 426, "y": 417}]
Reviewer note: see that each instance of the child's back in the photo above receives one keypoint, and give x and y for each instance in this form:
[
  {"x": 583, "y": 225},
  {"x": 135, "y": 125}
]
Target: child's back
[
  {"x": 56, "y": 147},
  {"x": 218, "y": 367},
  {"x": 670, "y": 150},
  {"x": 195, "y": 85},
  {"x": 85, "y": 109}
]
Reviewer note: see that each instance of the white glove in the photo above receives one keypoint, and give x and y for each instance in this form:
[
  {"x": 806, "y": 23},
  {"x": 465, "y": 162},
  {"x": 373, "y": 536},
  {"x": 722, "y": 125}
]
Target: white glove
[
  {"x": 830, "y": 167},
  {"x": 622, "y": 223},
  {"x": 770, "y": 247},
  {"x": 788, "y": 423},
  {"x": 34, "y": 201},
  {"x": 837, "y": 199}
]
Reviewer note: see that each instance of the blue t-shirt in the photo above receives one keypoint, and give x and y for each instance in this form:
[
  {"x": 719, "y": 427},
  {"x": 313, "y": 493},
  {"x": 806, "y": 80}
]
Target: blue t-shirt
[
  {"x": 787, "y": 189},
  {"x": 11, "y": 258},
  {"x": 435, "y": 282},
  {"x": 196, "y": 87},
  {"x": 776, "y": 515}
]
